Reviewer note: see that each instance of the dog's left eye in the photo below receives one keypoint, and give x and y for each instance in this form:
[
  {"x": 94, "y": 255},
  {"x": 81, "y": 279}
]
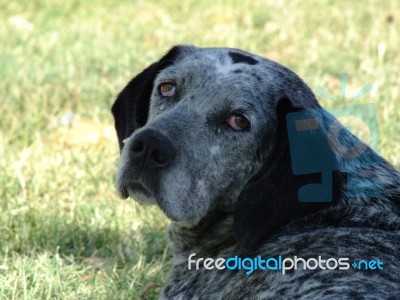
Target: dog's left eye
[
  {"x": 167, "y": 89},
  {"x": 238, "y": 122}
]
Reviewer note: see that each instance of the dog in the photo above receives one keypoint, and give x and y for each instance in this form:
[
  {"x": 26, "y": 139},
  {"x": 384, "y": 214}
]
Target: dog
[{"x": 207, "y": 135}]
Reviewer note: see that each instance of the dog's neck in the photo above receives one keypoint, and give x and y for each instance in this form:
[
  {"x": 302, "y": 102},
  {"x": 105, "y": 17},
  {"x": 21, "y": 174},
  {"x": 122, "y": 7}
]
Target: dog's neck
[
  {"x": 209, "y": 236},
  {"x": 374, "y": 186}
]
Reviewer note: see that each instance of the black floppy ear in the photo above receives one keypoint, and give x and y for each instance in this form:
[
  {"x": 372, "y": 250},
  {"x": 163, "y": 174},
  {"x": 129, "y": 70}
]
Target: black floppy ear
[
  {"x": 131, "y": 108},
  {"x": 272, "y": 197}
]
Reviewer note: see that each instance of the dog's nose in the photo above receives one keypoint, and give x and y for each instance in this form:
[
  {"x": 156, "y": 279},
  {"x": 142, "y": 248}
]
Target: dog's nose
[{"x": 151, "y": 149}]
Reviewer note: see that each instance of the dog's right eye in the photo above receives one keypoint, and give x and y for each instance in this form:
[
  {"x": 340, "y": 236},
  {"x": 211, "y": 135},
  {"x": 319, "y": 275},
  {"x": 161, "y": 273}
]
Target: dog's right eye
[{"x": 167, "y": 89}]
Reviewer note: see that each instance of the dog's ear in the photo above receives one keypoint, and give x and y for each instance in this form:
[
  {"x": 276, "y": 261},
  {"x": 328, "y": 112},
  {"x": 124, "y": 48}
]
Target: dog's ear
[
  {"x": 131, "y": 108},
  {"x": 274, "y": 196}
]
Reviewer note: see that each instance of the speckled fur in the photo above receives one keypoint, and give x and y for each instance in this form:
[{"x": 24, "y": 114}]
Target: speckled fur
[{"x": 231, "y": 193}]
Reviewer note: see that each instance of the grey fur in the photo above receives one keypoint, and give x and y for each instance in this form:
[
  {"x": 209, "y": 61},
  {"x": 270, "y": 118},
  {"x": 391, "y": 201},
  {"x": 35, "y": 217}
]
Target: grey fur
[{"x": 214, "y": 166}]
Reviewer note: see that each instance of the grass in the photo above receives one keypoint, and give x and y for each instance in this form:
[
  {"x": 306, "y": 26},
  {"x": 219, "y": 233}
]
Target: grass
[{"x": 64, "y": 234}]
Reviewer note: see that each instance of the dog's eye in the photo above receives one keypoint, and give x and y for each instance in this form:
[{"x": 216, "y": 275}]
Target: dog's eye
[
  {"x": 238, "y": 122},
  {"x": 167, "y": 89}
]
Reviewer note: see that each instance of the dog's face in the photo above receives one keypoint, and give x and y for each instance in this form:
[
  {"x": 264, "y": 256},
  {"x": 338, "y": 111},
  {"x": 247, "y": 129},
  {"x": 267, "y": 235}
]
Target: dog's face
[
  {"x": 195, "y": 126},
  {"x": 205, "y": 105}
]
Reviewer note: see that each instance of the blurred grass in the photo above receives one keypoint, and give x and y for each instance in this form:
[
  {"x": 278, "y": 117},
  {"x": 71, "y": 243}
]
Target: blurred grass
[{"x": 64, "y": 234}]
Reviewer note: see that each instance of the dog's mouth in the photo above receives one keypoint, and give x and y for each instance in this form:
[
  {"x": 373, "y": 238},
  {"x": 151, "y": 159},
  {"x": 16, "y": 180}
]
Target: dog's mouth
[{"x": 137, "y": 191}]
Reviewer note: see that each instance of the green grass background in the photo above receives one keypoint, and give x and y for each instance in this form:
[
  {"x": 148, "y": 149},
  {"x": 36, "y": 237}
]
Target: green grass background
[{"x": 64, "y": 234}]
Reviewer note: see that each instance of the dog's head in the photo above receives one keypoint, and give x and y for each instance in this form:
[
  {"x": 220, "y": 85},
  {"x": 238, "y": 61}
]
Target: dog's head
[{"x": 205, "y": 129}]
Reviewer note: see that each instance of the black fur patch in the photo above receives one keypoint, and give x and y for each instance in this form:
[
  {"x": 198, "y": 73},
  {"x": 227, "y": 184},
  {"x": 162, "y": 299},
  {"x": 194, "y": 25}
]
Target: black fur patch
[{"x": 241, "y": 58}]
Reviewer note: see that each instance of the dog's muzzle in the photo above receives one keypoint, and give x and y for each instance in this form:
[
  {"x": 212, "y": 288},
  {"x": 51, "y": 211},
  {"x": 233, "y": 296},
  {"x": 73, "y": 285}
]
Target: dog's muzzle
[
  {"x": 143, "y": 158},
  {"x": 150, "y": 150}
]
